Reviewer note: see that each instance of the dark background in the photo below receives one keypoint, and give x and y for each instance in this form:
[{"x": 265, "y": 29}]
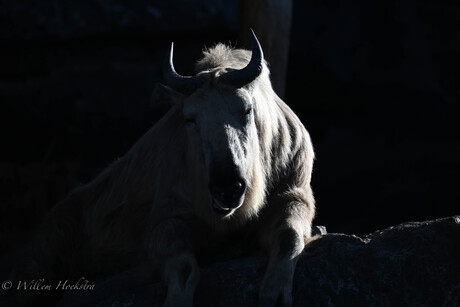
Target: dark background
[{"x": 376, "y": 83}]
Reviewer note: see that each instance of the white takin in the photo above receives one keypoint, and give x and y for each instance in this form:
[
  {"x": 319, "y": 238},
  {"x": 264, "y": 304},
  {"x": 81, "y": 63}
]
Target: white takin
[{"x": 230, "y": 158}]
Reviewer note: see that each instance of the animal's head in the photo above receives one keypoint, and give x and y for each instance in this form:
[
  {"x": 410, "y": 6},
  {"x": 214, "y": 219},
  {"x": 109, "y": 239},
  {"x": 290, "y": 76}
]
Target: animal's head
[{"x": 219, "y": 112}]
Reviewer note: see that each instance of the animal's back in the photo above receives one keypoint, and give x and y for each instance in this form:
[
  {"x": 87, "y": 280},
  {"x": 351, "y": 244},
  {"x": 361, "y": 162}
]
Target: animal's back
[{"x": 100, "y": 228}]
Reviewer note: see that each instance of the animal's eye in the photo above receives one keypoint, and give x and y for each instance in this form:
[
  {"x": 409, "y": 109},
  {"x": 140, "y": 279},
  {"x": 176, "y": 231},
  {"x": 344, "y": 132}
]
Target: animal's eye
[
  {"x": 190, "y": 121},
  {"x": 248, "y": 111}
]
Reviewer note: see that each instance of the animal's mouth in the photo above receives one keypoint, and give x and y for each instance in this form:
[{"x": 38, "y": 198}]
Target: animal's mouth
[{"x": 220, "y": 209}]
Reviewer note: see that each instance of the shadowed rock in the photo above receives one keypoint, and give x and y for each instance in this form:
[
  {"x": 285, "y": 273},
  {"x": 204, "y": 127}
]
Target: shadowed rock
[{"x": 412, "y": 264}]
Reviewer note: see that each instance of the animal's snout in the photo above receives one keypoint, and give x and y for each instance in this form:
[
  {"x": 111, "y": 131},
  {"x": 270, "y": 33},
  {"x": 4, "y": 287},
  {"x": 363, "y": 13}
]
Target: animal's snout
[{"x": 228, "y": 193}]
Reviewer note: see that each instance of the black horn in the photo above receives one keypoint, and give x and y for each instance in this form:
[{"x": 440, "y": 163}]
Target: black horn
[
  {"x": 178, "y": 82},
  {"x": 249, "y": 73}
]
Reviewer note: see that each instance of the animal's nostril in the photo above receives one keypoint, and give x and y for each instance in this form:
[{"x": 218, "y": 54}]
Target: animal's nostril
[
  {"x": 229, "y": 192},
  {"x": 238, "y": 189}
]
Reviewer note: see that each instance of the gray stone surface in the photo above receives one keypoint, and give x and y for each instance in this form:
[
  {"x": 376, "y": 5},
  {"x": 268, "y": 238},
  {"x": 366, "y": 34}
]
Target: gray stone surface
[{"x": 412, "y": 264}]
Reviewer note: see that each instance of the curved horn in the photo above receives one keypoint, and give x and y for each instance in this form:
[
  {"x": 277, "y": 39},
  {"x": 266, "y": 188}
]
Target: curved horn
[
  {"x": 249, "y": 73},
  {"x": 181, "y": 83}
]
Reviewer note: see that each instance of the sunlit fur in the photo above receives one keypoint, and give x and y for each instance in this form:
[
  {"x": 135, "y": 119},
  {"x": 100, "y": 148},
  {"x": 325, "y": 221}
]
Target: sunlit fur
[{"x": 282, "y": 145}]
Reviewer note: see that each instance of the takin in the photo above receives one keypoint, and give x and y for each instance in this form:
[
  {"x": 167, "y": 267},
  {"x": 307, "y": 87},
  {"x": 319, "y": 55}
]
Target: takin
[{"x": 229, "y": 162}]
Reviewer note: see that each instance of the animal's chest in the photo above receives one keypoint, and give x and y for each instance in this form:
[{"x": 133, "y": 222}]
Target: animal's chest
[{"x": 211, "y": 246}]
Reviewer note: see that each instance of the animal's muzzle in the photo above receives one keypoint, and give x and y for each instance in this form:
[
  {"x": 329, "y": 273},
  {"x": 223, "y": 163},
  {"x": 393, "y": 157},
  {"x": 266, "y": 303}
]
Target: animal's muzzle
[{"x": 228, "y": 195}]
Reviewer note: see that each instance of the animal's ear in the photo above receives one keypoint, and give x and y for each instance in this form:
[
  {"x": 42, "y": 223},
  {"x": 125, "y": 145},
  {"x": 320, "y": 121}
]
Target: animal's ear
[{"x": 164, "y": 95}]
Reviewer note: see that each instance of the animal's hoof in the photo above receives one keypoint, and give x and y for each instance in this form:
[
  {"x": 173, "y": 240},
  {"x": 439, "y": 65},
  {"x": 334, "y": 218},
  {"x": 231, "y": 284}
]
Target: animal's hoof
[{"x": 318, "y": 230}]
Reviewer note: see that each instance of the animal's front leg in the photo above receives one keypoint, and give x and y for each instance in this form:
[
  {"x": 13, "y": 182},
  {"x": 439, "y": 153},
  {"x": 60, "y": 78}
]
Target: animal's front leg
[
  {"x": 172, "y": 249},
  {"x": 181, "y": 274},
  {"x": 285, "y": 243}
]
